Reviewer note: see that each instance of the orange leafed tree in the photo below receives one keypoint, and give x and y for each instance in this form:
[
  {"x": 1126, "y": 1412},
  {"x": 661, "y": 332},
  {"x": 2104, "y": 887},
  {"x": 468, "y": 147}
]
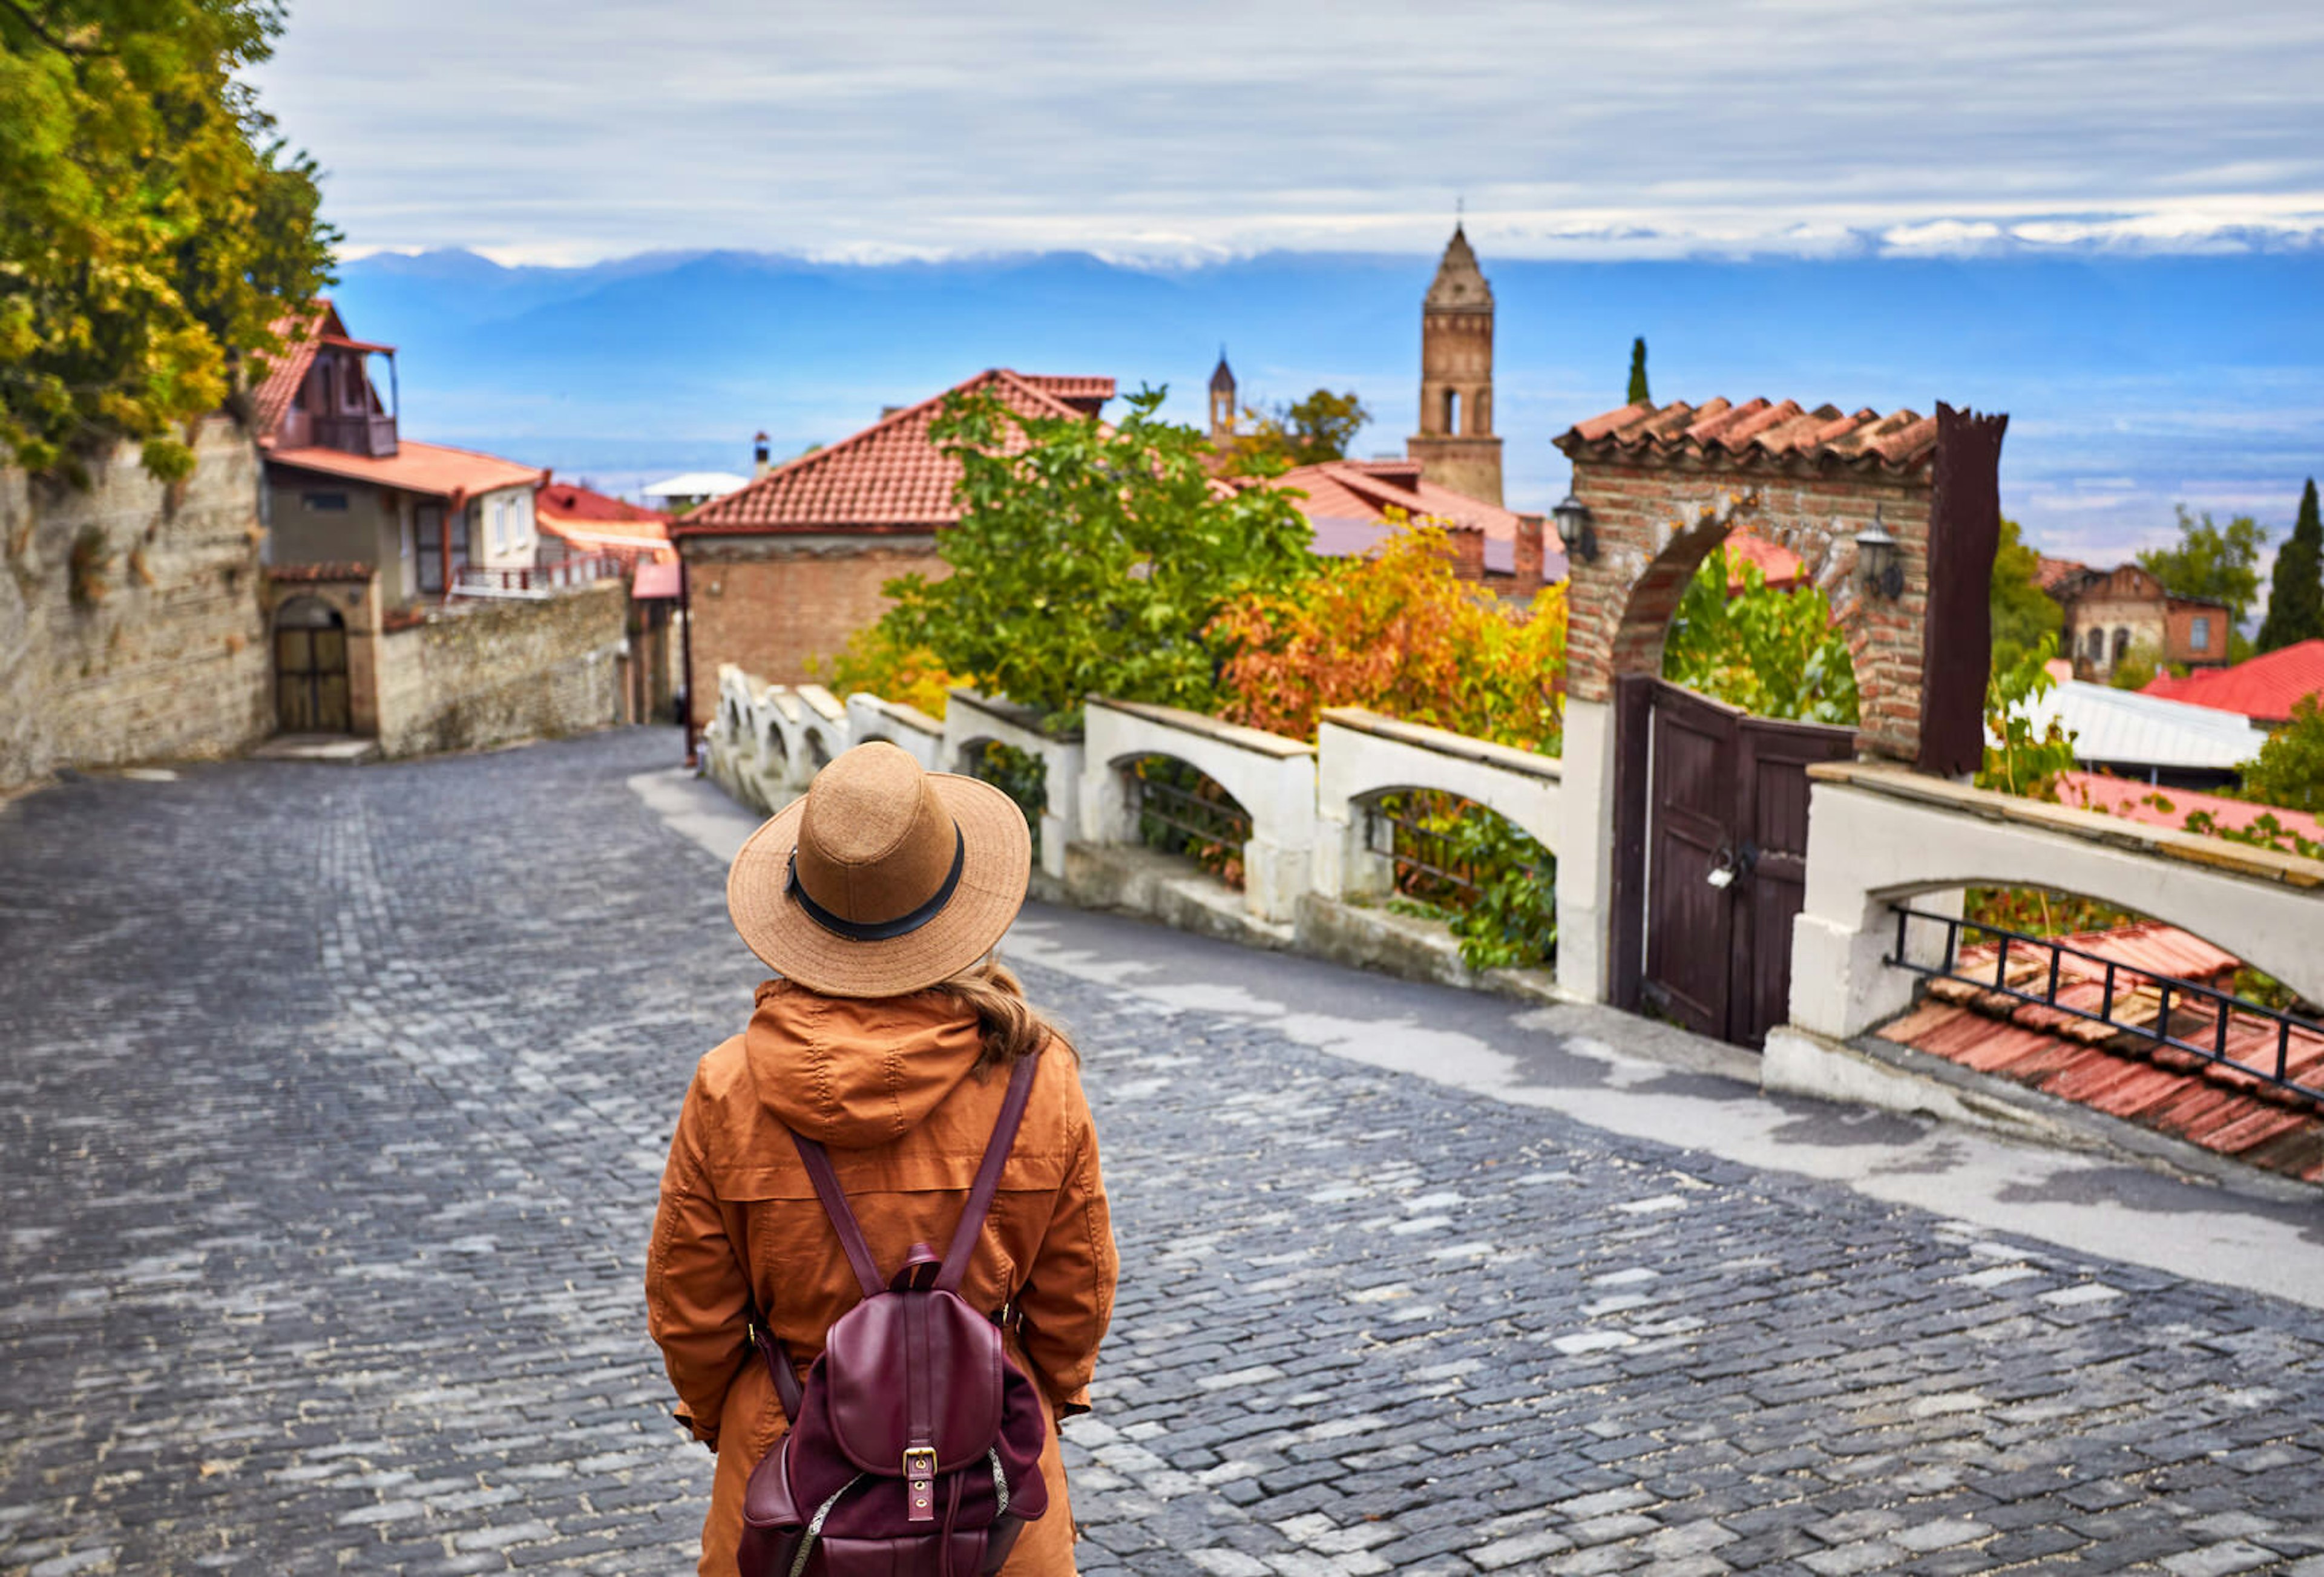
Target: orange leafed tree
[{"x": 1397, "y": 632}]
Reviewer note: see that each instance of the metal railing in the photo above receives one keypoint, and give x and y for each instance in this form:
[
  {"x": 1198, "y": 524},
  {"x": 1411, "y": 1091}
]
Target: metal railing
[
  {"x": 1182, "y": 812},
  {"x": 2122, "y": 1003},
  {"x": 536, "y": 580}
]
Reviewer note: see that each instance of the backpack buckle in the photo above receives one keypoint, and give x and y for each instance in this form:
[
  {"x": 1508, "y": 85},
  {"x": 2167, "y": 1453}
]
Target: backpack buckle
[{"x": 919, "y": 1484}]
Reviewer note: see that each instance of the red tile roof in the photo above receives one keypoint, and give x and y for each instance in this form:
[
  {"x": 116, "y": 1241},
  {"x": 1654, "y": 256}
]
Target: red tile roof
[
  {"x": 2118, "y": 1071},
  {"x": 300, "y": 333},
  {"x": 1347, "y": 500},
  {"x": 2262, "y": 688},
  {"x": 2048, "y": 572},
  {"x": 1759, "y": 433},
  {"x": 598, "y": 522},
  {"x": 2170, "y": 807},
  {"x": 656, "y": 579},
  {"x": 1777, "y": 564},
  {"x": 889, "y": 477},
  {"x": 435, "y": 470}
]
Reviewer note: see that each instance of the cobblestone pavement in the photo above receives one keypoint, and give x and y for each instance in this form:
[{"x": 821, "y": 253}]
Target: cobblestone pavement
[{"x": 333, "y": 1104}]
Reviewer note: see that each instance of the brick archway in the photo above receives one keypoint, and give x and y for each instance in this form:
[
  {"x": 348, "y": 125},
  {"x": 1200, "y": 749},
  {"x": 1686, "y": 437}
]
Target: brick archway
[{"x": 1665, "y": 485}]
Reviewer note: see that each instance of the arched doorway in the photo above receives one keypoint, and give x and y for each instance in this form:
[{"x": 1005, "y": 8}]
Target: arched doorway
[{"x": 311, "y": 669}]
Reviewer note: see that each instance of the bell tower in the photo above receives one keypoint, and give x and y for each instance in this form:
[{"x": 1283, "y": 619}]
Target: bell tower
[
  {"x": 1456, "y": 446},
  {"x": 1222, "y": 402}
]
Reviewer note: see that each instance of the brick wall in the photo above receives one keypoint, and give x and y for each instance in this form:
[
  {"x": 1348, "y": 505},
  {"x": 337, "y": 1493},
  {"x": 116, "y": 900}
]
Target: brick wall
[
  {"x": 170, "y": 660},
  {"x": 2182, "y": 646},
  {"x": 769, "y": 604},
  {"x": 482, "y": 674},
  {"x": 1651, "y": 536}
]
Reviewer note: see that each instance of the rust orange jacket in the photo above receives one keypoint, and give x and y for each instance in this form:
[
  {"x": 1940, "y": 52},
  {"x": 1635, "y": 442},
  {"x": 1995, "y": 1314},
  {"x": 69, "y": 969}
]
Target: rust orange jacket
[{"x": 889, "y": 1086}]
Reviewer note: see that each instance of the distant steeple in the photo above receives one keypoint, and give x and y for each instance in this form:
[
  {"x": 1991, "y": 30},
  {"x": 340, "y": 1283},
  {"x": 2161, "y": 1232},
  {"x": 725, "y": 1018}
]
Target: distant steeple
[
  {"x": 1222, "y": 400},
  {"x": 1456, "y": 445}
]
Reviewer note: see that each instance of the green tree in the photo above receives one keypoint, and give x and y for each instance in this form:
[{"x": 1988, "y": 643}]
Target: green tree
[
  {"x": 2295, "y": 600},
  {"x": 1090, "y": 558},
  {"x": 2026, "y": 761},
  {"x": 1774, "y": 653},
  {"x": 152, "y": 226},
  {"x": 1305, "y": 432},
  {"x": 2023, "y": 612},
  {"x": 1638, "y": 396},
  {"x": 2217, "y": 562},
  {"x": 2290, "y": 769}
]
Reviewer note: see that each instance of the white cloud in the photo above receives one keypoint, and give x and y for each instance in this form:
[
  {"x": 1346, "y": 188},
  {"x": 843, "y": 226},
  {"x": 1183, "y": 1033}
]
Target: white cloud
[{"x": 552, "y": 129}]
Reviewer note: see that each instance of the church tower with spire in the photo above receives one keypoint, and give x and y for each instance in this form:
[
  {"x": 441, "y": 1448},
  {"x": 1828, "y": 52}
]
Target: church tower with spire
[
  {"x": 1456, "y": 446},
  {"x": 1222, "y": 402}
]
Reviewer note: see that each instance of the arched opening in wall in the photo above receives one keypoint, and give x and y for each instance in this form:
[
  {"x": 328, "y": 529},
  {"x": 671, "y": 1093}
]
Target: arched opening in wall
[
  {"x": 311, "y": 669},
  {"x": 1019, "y": 774},
  {"x": 1452, "y": 411},
  {"x": 2119, "y": 1011},
  {"x": 1451, "y": 859},
  {"x": 818, "y": 754},
  {"x": 774, "y": 755},
  {"x": 2121, "y": 645},
  {"x": 1181, "y": 811}
]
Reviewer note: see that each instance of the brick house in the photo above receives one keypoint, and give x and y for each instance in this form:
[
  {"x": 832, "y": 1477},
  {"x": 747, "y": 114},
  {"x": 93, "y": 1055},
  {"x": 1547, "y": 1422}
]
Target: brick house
[
  {"x": 784, "y": 569},
  {"x": 2111, "y": 614}
]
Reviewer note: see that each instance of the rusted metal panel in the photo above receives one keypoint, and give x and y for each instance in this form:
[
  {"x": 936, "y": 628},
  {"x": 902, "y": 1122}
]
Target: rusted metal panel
[{"x": 1957, "y": 634}]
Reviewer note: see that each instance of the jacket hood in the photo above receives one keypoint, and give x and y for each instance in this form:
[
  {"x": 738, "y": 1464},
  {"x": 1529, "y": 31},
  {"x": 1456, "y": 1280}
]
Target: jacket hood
[{"x": 854, "y": 1072}]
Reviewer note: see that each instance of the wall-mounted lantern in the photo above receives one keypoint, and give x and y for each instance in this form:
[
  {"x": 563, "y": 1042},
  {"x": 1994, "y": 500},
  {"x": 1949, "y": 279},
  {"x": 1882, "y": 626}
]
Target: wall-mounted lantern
[
  {"x": 1575, "y": 530},
  {"x": 1879, "y": 565}
]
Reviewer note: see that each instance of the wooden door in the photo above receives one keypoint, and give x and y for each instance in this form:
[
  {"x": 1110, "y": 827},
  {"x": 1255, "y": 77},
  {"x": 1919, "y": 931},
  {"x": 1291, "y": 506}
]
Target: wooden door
[
  {"x": 310, "y": 678},
  {"x": 1690, "y": 913},
  {"x": 1720, "y": 801}
]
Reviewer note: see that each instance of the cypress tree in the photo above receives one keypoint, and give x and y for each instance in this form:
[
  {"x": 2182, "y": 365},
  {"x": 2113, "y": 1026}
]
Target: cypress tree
[
  {"x": 1638, "y": 396},
  {"x": 2295, "y": 598}
]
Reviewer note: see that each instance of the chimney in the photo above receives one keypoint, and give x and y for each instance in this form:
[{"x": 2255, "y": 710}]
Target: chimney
[
  {"x": 758, "y": 465},
  {"x": 1528, "y": 554}
]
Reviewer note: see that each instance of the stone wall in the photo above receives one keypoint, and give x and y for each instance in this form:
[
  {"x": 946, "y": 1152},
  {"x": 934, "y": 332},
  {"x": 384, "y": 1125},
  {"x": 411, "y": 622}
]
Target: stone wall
[
  {"x": 769, "y": 604},
  {"x": 480, "y": 674},
  {"x": 155, "y": 647}
]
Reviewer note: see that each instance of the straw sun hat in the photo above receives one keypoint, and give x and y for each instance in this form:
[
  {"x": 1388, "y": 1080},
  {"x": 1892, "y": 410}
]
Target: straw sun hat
[{"x": 882, "y": 879}]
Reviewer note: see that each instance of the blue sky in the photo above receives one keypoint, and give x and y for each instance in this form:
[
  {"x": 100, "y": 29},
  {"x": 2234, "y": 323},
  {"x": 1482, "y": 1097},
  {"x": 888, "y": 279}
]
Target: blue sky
[{"x": 554, "y": 132}]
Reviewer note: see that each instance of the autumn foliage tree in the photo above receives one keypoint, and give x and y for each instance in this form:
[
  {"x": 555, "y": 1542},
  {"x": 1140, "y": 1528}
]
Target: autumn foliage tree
[
  {"x": 1398, "y": 631},
  {"x": 151, "y": 225}
]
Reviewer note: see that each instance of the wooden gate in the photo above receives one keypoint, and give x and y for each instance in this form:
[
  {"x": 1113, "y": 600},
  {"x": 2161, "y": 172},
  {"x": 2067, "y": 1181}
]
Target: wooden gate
[
  {"x": 1712, "y": 836},
  {"x": 311, "y": 670}
]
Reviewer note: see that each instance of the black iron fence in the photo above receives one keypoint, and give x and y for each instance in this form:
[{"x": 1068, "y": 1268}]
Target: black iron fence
[
  {"x": 2276, "y": 1047},
  {"x": 1180, "y": 811}
]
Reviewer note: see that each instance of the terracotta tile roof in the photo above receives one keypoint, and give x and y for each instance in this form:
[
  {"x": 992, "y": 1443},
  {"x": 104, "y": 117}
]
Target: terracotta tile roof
[
  {"x": 2118, "y": 1070},
  {"x": 435, "y": 470},
  {"x": 2262, "y": 688},
  {"x": 1347, "y": 500},
  {"x": 889, "y": 477},
  {"x": 2170, "y": 807},
  {"x": 1759, "y": 433},
  {"x": 300, "y": 333},
  {"x": 598, "y": 522},
  {"x": 656, "y": 579},
  {"x": 1086, "y": 395},
  {"x": 1777, "y": 564},
  {"x": 2048, "y": 572}
]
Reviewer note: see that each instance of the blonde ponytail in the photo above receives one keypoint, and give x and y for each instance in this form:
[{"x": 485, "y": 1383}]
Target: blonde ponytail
[{"x": 1011, "y": 1026}]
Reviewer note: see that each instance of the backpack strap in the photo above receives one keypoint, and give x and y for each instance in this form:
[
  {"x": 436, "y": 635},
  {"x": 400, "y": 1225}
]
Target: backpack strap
[
  {"x": 842, "y": 1219},
  {"x": 988, "y": 1176},
  {"x": 779, "y": 1367}
]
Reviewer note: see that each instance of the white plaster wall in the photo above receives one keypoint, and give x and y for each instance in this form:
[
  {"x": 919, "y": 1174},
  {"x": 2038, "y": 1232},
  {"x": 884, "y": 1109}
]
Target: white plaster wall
[
  {"x": 1354, "y": 764},
  {"x": 1866, "y": 849},
  {"x": 1272, "y": 777},
  {"x": 1585, "y": 851},
  {"x": 905, "y": 727},
  {"x": 969, "y": 721}
]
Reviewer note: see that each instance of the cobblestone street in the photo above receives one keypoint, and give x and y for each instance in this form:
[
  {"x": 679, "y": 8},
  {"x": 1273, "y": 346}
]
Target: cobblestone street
[{"x": 335, "y": 1102}]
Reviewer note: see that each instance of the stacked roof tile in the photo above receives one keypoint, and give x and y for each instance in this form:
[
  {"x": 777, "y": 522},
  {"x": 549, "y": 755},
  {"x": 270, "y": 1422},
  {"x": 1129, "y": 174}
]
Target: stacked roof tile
[
  {"x": 889, "y": 477},
  {"x": 1759, "y": 432},
  {"x": 1348, "y": 501},
  {"x": 2118, "y": 1071},
  {"x": 298, "y": 333}
]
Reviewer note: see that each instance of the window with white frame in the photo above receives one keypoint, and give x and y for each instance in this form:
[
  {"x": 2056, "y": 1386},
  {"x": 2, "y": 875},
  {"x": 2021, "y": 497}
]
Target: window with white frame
[
  {"x": 521, "y": 519},
  {"x": 2199, "y": 632},
  {"x": 496, "y": 515}
]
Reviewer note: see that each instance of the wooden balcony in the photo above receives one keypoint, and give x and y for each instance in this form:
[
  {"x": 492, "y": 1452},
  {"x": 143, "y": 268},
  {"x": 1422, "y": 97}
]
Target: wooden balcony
[{"x": 372, "y": 434}]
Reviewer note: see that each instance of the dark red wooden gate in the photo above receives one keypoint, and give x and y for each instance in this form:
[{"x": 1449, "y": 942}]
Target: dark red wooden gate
[{"x": 1711, "y": 835}]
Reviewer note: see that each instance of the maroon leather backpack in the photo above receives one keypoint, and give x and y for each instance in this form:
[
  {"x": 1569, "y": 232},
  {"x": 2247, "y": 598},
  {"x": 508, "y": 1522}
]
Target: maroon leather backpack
[{"x": 915, "y": 1448}]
